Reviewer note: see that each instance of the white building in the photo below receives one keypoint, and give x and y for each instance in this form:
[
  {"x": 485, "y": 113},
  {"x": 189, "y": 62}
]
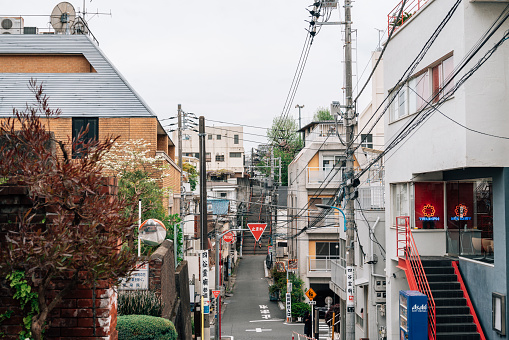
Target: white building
[{"x": 451, "y": 181}]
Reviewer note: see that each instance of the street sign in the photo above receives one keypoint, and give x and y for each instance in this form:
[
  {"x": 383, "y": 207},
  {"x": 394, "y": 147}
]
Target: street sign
[
  {"x": 204, "y": 257},
  {"x": 292, "y": 264},
  {"x": 257, "y": 229},
  {"x": 152, "y": 232},
  {"x": 216, "y": 293},
  {"x": 312, "y": 302},
  {"x": 288, "y": 306},
  {"x": 229, "y": 237},
  {"x": 269, "y": 250},
  {"x": 310, "y": 294}
]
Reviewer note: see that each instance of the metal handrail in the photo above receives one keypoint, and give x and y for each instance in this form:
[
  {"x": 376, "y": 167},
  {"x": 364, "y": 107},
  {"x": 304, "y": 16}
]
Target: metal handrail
[
  {"x": 416, "y": 270},
  {"x": 410, "y": 9}
]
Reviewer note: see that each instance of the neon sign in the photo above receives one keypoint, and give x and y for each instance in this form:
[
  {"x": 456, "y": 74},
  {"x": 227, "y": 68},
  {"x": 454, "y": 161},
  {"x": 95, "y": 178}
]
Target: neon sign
[
  {"x": 429, "y": 213},
  {"x": 461, "y": 211}
]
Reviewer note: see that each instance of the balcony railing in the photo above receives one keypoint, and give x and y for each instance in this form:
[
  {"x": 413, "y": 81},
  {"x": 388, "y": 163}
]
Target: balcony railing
[
  {"x": 371, "y": 198},
  {"x": 338, "y": 273},
  {"x": 318, "y": 263},
  {"x": 318, "y": 175},
  {"x": 411, "y": 7}
]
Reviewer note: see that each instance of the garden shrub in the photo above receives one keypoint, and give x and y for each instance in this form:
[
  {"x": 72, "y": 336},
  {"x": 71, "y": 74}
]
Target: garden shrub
[
  {"x": 144, "y": 327},
  {"x": 299, "y": 309},
  {"x": 139, "y": 302}
]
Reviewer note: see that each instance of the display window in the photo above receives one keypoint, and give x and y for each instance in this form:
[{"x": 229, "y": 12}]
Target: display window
[
  {"x": 429, "y": 205},
  {"x": 460, "y": 205}
]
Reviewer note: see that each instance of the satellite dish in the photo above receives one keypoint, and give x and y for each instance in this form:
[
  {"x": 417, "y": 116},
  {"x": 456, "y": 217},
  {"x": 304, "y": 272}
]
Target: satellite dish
[
  {"x": 62, "y": 17},
  {"x": 152, "y": 232}
]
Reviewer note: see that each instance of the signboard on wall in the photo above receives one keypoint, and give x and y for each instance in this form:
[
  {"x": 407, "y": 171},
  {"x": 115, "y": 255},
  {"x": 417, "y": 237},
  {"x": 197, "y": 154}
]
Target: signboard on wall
[
  {"x": 204, "y": 263},
  {"x": 350, "y": 303},
  {"x": 138, "y": 279},
  {"x": 429, "y": 205}
]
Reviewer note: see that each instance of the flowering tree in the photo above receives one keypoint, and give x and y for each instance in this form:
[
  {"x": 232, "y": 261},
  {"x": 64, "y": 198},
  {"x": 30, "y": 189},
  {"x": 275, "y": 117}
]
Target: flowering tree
[{"x": 81, "y": 235}]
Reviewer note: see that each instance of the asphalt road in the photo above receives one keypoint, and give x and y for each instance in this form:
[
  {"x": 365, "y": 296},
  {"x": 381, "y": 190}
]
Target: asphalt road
[{"x": 249, "y": 314}]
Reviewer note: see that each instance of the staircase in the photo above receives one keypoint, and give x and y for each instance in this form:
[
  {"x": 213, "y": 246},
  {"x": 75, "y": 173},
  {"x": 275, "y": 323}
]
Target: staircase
[
  {"x": 454, "y": 320},
  {"x": 451, "y": 315},
  {"x": 257, "y": 213}
]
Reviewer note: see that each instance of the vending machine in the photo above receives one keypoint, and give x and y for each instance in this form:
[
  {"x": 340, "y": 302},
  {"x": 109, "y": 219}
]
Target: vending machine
[{"x": 413, "y": 315}]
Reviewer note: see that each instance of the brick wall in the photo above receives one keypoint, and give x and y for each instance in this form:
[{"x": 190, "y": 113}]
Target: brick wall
[
  {"x": 162, "y": 276},
  {"x": 45, "y": 63},
  {"x": 87, "y": 312}
]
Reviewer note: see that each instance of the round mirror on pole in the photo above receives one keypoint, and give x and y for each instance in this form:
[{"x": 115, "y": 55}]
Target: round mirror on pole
[{"x": 152, "y": 232}]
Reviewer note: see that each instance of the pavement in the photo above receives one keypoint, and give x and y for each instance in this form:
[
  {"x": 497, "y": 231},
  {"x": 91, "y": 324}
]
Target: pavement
[{"x": 248, "y": 313}]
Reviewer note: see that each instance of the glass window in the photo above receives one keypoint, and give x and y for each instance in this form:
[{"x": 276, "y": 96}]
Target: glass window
[
  {"x": 218, "y": 137},
  {"x": 209, "y": 136},
  {"x": 324, "y": 249},
  {"x": 422, "y": 86},
  {"x": 79, "y": 125},
  {"x": 197, "y": 155},
  {"x": 401, "y": 201},
  {"x": 448, "y": 69},
  {"x": 207, "y": 157},
  {"x": 219, "y": 158},
  {"x": 429, "y": 205},
  {"x": 235, "y": 154},
  {"x": 235, "y": 139},
  {"x": 367, "y": 140}
]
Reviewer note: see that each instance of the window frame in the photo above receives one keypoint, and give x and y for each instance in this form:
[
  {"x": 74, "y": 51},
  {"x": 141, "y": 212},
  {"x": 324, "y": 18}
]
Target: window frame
[
  {"x": 92, "y": 133},
  {"x": 219, "y": 158}
]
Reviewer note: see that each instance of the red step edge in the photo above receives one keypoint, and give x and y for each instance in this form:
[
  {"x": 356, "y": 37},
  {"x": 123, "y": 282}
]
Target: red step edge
[{"x": 467, "y": 297}]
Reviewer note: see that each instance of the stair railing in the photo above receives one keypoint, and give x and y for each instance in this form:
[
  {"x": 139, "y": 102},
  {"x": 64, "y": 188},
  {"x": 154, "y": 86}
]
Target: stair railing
[{"x": 406, "y": 248}]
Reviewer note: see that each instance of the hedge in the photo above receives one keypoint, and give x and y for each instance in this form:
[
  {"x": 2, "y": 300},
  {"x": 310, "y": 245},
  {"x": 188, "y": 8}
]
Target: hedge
[{"x": 144, "y": 327}]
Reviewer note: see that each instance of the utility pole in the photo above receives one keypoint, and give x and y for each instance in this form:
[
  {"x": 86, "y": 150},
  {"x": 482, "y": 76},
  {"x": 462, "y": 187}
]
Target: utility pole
[
  {"x": 350, "y": 122},
  {"x": 182, "y": 194},
  {"x": 204, "y": 244}
]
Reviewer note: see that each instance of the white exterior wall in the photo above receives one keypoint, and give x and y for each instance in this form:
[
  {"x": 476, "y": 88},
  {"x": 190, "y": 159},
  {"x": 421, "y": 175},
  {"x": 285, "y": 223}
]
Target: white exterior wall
[
  {"x": 439, "y": 144},
  {"x": 224, "y": 146}
]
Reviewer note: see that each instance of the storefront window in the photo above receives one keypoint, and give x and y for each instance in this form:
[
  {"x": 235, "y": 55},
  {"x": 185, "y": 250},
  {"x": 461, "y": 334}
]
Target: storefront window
[{"x": 429, "y": 205}]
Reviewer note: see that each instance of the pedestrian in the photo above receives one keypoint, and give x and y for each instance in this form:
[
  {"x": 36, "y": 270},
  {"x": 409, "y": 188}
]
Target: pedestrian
[{"x": 307, "y": 324}]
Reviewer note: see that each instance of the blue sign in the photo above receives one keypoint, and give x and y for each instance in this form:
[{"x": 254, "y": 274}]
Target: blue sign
[{"x": 206, "y": 309}]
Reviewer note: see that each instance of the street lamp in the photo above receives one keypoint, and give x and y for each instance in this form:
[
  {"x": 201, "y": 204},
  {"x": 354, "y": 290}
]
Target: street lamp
[{"x": 325, "y": 206}]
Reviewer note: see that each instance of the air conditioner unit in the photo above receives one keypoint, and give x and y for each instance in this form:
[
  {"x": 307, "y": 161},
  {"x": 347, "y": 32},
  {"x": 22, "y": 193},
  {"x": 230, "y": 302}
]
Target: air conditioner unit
[{"x": 11, "y": 25}]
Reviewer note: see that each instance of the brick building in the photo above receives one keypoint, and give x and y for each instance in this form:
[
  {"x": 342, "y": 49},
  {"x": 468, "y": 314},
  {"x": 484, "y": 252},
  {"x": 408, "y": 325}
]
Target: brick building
[{"x": 88, "y": 89}]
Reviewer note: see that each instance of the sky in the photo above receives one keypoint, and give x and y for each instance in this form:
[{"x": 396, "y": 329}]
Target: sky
[{"x": 230, "y": 61}]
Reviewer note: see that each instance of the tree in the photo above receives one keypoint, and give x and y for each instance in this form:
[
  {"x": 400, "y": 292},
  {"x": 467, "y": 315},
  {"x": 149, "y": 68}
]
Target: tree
[
  {"x": 81, "y": 237},
  {"x": 141, "y": 176},
  {"x": 286, "y": 142},
  {"x": 192, "y": 174},
  {"x": 322, "y": 114}
]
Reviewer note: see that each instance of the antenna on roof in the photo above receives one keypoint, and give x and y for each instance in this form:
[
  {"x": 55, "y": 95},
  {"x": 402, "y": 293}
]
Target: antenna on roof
[{"x": 62, "y": 17}]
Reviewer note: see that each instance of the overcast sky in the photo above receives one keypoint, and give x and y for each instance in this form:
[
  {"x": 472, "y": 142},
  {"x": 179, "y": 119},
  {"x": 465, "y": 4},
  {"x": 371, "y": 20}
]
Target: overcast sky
[{"x": 227, "y": 60}]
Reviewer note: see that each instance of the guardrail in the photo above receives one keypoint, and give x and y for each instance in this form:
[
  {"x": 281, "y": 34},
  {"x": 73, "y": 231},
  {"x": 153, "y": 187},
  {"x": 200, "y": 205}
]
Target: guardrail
[{"x": 317, "y": 263}]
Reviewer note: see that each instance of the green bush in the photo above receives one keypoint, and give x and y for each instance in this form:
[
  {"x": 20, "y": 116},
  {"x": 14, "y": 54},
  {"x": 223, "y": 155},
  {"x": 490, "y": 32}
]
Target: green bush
[
  {"x": 139, "y": 302},
  {"x": 144, "y": 327},
  {"x": 299, "y": 309}
]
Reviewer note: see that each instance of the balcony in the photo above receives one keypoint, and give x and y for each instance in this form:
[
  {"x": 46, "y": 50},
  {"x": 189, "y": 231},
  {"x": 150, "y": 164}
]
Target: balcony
[
  {"x": 411, "y": 7},
  {"x": 338, "y": 276},
  {"x": 320, "y": 266},
  {"x": 371, "y": 198},
  {"x": 317, "y": 176}
]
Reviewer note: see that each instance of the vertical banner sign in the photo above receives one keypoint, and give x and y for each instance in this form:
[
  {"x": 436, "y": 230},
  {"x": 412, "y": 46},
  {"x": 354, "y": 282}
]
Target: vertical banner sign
[
  {"x": 205, "y": 281},
  {"x": 350, "y": 303},
  {"x": 288, "y": 306}
]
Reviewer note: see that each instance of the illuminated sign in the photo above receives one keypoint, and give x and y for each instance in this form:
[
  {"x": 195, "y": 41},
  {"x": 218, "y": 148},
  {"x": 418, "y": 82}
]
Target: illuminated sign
[
  {"x": 461, "y": 213},
  {"x": 429, "y": 213}
]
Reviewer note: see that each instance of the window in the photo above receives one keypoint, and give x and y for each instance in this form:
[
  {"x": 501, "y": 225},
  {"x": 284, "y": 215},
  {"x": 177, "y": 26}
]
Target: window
[
  {"x": 219, "y": 158},
  {"x": 413, "y": 96},
  {"x": 197, "y": 155},
  {"x": 79, "y": 125},
  {"x": 235, "y": 154},
  {"x": 222, "y": 194},
  {"x": 208, "y": 158},
  {"x": 400, "y": 200},
  {"x": 218, "y": 137},
  {"x": 429, "y": 205},
  {"x": 326, "y": 249},
  {"x": 209, "y": 136},
  {"x": 367, "y": 140},
  {"x": 235, "y": 139}
]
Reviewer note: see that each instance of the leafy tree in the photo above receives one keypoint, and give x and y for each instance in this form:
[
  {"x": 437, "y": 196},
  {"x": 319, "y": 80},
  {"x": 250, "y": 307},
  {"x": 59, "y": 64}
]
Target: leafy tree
[
  {"x": 192, "y": 174},
  {"x": 84, "y": 227},
  {"x": 322, "y": 114},
  {"x": 285, "y": 141}
]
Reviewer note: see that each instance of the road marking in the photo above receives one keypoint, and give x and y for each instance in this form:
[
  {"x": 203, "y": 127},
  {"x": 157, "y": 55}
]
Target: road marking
[
  {"x": 271, "y": 320},
  {"x": 259, "y": 330}
]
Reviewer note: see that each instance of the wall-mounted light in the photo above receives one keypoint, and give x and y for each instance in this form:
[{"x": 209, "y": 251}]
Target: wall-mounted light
[{"x": 498, "y": 313}]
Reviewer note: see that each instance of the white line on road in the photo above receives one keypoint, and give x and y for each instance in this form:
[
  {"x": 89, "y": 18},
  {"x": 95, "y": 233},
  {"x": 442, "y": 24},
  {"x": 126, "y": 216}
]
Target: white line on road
[
  {"x": 259, "y": 330},
  {"x": 270, "y": 320}
]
